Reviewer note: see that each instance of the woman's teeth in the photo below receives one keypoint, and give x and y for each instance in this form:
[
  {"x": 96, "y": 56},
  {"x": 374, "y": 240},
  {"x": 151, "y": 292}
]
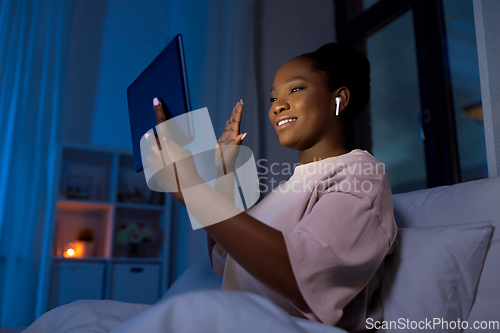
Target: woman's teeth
[{"x": 284, "y": 121}]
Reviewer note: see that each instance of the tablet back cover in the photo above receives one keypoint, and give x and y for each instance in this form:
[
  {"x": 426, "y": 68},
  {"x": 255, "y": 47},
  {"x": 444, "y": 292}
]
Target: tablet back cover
[{"x": 166, "y": 79}]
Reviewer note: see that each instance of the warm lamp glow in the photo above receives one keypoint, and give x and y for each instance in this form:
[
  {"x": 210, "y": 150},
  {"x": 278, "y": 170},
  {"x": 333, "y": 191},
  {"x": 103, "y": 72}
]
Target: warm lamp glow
[{"x": 74, "y": 250}]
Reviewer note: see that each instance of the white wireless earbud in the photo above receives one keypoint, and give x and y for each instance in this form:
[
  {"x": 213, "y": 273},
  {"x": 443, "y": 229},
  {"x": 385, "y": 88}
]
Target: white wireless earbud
[{"x": 338, "y": 100}]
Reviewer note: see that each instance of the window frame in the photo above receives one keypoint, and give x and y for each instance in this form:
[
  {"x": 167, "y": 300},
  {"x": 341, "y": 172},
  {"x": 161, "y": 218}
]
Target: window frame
[{"x": 436, "y": 94}]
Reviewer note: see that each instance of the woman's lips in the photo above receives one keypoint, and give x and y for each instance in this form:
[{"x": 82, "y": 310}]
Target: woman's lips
[{"x": 288, "y": 123}]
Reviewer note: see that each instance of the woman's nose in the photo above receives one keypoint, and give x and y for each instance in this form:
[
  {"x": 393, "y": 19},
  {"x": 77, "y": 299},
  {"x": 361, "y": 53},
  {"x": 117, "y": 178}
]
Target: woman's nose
[{"x": 280, "y": 107}]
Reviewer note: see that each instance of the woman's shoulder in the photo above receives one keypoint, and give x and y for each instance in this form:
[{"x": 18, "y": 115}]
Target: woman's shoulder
[
  {"x": 359, "y": 156},
  {"x": 359, "y": 163},
  {"x": 358, "y": 173}
]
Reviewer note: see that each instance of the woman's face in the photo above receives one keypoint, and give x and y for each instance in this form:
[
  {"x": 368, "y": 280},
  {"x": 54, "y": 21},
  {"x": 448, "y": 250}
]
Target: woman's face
[{"x": 300, "y": 95}]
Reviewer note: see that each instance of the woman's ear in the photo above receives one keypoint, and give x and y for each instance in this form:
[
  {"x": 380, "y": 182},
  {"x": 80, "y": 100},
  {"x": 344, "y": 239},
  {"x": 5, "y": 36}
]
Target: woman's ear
[{"x": 344, "y": 95}]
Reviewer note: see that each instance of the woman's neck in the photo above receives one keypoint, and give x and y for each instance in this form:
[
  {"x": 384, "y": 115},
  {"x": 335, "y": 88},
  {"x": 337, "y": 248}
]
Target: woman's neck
[
  {"x": 314, "y": 154},
  {"x": 331, "y": 144}
]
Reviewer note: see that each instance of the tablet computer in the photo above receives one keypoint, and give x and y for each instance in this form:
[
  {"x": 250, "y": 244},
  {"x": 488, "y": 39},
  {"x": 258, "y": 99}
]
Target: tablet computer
[{"x": 166, "y": 79}]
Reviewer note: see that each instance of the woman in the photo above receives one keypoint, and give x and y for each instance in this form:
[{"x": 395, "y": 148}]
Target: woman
[{"x": 315, "y": 246}]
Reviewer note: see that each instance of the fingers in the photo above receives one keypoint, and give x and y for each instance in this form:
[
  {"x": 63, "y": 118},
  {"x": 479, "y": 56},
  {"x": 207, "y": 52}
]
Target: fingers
[
  {"x": 232, "y": 128},
  {"x": 160, "y": 120},
  {"x": 239, "y": 138},
  {"x": 236, "y": 117},
  {"x": 160, "y": 114}
]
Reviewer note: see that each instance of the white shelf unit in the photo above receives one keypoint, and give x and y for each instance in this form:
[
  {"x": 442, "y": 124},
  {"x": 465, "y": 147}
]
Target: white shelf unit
[{"x": 98, "y": 188}]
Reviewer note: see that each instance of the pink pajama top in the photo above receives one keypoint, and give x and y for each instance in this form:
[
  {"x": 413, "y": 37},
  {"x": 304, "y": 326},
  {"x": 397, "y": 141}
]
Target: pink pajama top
[{"x": 337, "y": 220}]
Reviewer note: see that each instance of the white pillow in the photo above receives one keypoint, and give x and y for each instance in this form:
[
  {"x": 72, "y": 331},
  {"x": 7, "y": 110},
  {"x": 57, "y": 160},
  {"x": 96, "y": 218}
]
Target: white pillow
[
  {"x": 432, "y": 275},
  {"x": 486, "y": 305}
]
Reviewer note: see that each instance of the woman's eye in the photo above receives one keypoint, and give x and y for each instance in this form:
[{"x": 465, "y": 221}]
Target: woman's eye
[{"x": 296, "y": 89}]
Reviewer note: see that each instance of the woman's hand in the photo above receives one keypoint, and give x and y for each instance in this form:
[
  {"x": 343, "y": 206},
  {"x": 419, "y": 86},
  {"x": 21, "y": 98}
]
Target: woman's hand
[
  {"x": 179, "y": 168},
  {"x": 229, "y": 142}
]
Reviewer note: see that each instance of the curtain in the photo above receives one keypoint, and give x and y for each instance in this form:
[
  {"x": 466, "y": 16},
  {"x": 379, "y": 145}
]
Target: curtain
[{"x": 31, "y": 53}]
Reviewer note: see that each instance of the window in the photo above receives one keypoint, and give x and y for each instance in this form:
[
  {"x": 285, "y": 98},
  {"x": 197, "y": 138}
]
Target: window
[{"x": 424, "y": 115}]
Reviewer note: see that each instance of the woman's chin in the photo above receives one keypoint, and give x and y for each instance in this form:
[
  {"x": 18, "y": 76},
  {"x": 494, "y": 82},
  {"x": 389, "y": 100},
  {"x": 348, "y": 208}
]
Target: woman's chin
[{"x": 290, "y": 144}]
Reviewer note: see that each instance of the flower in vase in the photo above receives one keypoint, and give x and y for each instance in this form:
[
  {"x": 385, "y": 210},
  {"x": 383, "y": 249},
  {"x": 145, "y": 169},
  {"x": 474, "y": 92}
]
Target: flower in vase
[{"x": 134, "y": 234}]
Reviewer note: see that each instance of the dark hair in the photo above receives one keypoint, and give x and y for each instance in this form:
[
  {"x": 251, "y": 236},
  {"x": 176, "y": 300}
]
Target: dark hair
[{"x": 341, "y": 65}]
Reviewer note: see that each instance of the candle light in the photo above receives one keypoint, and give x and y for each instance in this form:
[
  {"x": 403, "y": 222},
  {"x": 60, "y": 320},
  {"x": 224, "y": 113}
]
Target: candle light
[
  {"x": 70, "y": 251},
  {"x": 75, "y": 250}
]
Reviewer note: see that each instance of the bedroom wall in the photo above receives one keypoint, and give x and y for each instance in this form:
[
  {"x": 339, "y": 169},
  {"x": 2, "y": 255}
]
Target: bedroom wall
[
  {"x": 285, "y": 29},
  {"x": 134, "y": 33},
  {"x": 109, "y": 43}
]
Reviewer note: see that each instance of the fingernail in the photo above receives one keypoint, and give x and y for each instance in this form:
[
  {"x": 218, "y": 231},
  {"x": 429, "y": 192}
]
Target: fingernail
[
  {"x": 243, "y": 136},
  {"x": 156, "y": 101},
  {"x": 241, "y": 101}
]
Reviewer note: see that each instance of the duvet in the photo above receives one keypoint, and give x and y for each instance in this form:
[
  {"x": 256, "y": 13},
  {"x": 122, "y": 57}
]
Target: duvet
[{"x": 193, "y": 312}]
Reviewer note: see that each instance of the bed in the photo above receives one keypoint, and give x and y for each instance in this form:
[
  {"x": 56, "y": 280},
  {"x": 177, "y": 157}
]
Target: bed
[{"x": 444, "y": 266}]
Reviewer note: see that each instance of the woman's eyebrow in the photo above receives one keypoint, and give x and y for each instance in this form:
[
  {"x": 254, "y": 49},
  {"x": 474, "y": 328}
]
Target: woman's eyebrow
[{"x": 295, "y": 78}]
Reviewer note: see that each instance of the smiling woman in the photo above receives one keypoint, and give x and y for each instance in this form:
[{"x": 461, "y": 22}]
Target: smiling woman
[{"x": 326, "y": 261}]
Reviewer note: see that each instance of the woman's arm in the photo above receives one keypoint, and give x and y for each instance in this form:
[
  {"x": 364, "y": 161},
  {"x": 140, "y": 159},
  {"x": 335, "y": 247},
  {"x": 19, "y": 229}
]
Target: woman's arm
[
  {"x": 225, "y": 186},
  {"x": 261, "y": 251},
  {"x": 210, "y": 242},
  {"x": 257, "y": 247}
]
